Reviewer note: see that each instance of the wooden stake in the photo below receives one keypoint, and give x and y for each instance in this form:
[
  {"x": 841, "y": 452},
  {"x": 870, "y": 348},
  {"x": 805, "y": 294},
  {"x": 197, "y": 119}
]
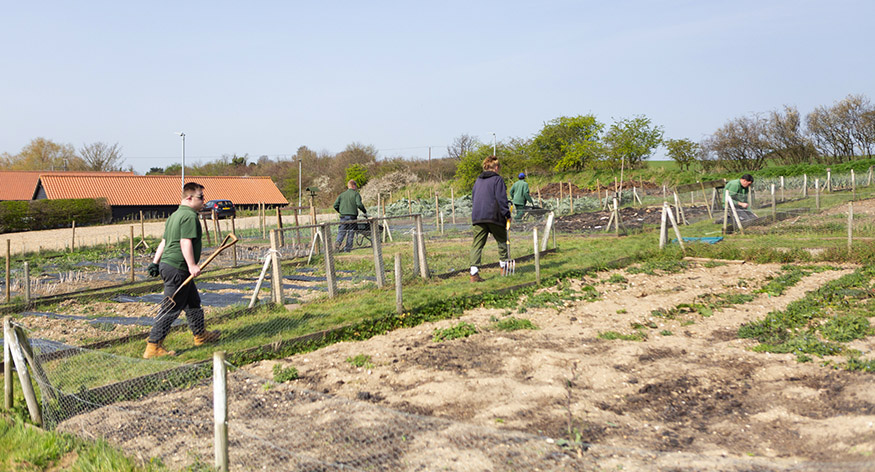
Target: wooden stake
[
  {"x": 399, "y": 298},
  {"x": 725, "y": 211},
  {"x": 276, "y": 279},
  {"x": 330, "y": 276},
  {"x": 132, "y": 254},
  {"x": 8, "y": 382},
  {"x": 23, "y": 375},
  {"x": 73, "y": 242},
  {"x": 677, "y": 232},
  {"x": 850, "y": 226},
  {"x": 8, "y": 267},
  {"x": 774, "y": 205},
  {"x": 537, "y": 256},
  {"x": 216, "y": 226},
  {"x": 409, "y": 203},
  {"x": 707, "y": 204},
  {"x": 376, "y": 244},
  {"x": 453, "y": 203},
  {"x": 234, "y": 232},
  {"x": 782, "y": 189},
  {"x": 279, "y": 225},
  {"x": 853, "y": 185},
  {"x": 663, "y": 228},
  {"x": 804, "y": 185},
  {"x": 423, "y": 260},
  {"x": 817, "y": 193},
  {"x": 735, "y": 215},
  {"x": 220, "y": 411}
]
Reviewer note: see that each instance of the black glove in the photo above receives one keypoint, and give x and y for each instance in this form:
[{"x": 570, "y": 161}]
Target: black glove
[{"x": 153, "y": 270}]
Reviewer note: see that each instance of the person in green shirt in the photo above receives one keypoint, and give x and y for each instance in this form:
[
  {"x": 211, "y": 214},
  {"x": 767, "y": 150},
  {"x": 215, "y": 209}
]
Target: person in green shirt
[
  {"x": 348, "y": 205},
  {"x": 739, "y": 189},
  {"x": 519, "y": 195},
  {"x": 176, "y": 258}
]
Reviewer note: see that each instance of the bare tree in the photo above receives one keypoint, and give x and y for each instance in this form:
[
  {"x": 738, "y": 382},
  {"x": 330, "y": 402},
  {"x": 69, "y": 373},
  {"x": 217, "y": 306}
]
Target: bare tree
[
  {"x": 461, "y": 145},
  {"x": 785, "y": 137},
  {"x": 740, "y": 144},
  {"x": 102, "y": 157},
  {"x": 840, "y": 130}
]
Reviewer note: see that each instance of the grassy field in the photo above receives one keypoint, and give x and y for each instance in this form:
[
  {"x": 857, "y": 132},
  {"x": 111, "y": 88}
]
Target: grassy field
[{"x": 368, "y": 311}]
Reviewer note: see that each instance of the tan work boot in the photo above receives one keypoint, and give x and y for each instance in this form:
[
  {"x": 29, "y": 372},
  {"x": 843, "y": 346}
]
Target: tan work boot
[
  {"x": 206, "y": 337},
  {"x": 156, "y": 350},
  {"x": 476, "y": 278}
]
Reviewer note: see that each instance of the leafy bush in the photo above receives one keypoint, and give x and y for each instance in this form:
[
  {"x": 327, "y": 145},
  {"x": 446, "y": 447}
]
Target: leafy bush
[
  {"x": 48, "y": 214},
  {"x": 284, "y": 374},
  {"x": 361, "y": 360},
  {"x": 513, "y": 324},
  {"x": 461, "y": 330}
]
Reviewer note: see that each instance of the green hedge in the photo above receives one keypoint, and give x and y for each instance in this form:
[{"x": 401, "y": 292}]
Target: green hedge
[{"x": 48, "y": 214}]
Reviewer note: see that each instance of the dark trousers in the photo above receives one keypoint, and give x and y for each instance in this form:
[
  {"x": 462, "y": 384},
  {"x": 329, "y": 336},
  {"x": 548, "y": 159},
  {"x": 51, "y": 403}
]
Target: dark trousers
[
  {"x": 346, "y": 230},
  {"x": 481, "y": 232},
  {"x": 187, "y": 299}
]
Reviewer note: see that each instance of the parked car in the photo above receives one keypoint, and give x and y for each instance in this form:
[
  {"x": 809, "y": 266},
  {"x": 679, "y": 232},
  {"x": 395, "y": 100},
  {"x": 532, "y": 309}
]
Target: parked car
[{"x": 224, "y": 209}]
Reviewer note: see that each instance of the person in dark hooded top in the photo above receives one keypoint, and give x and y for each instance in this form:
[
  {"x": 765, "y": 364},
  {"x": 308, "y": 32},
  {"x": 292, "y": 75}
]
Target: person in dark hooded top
[{"x": 490, "y": 214}]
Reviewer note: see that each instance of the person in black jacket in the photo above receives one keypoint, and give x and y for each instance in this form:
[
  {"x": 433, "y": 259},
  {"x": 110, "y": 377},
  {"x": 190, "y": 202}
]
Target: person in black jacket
[{"x": 490, "y": 214}]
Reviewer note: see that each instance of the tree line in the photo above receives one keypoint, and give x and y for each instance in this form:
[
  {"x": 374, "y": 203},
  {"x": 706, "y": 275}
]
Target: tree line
[{"x": 832, "y": 134}]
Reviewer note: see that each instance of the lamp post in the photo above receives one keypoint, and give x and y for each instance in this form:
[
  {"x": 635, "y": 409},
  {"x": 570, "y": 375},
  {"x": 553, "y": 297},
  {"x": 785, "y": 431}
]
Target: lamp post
[{"x": 182, "y": 135}]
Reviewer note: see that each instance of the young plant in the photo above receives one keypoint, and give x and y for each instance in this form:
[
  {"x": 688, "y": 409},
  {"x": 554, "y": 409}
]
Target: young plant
[
  {"x": 284, "y": 374},
  {"x": 361, "y": 360},
  {"x": 461, "y": 330}
]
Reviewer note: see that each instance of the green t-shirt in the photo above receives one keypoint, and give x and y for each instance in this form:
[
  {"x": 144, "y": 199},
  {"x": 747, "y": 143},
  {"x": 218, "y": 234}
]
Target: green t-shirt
[
  {"x": 182, "y": 224},
  {"x": 736, "y": 191},
  {"x": 519, "y": 193}
]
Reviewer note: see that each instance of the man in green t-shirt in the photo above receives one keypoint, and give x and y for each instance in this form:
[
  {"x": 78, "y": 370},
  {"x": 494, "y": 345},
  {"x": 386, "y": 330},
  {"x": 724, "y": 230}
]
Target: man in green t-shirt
[
  {"x": 739, "y": 189},
  {"x": 175, "y": 259},
  {"x": 348, "y": 205},
  {"x": 519, "y": 195}
]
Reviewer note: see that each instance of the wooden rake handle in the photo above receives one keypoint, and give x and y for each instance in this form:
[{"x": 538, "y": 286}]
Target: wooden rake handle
[{"x": 230, "y": 240}]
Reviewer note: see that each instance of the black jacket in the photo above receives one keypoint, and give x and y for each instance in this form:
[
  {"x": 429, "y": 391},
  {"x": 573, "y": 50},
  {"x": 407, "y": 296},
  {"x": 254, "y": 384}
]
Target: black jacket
[{"x": 489, "y": 198}]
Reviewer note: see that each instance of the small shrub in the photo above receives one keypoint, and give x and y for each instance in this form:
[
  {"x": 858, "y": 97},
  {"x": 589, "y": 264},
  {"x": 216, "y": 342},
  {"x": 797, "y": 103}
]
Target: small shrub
[
  {"x": 361, "y": 360},
  {"x": 461, "y": 330},
  {"x": 513, "y": 324},
  {"x": 665, "y": 332},
  {"x": 617, "y": 279},
  {"x": 284, "y": 374}
]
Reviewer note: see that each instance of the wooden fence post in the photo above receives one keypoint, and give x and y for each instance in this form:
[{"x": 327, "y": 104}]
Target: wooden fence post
[
  {"x": 132, "y": 254},
  {"x": 677, "y": 231},
  {"x": 73, "y": 241},
  {"x": 377, "y": 245},
  {"x": 330, "y": 276},
  {"x": 853, "y": 185},
  {"x": 725, "y": 211},
  {"x": 537, "y": 256},
  {"x": 33, "y": 405},
  {"x": 399, "y": 299},
  {"x": 850, "y": 226},
  {"x": 279, "y": 225},
  {"x": 423, "y": 260},
  {"x": 8, "y": 382},
  {"x": 817, "y": 193},
  {"x": 782, "y": 189},
  {"x": 27, "y": 283},
  {"x": 804, "y": 185},
  {"x": 548, "y": 228},
  {"x": 663, "y": 226},
  {"x": 453, "y": 203},
  {"x": 216, "y": 226},
  {"x": 774, "y": 206},
  {"x": 234, "y": 232},
  {"x": 220, "y": 411},
  {"x": 8, "y": 269},
  {"x": 206, "y": 230},
  {"x": 276, "y": 279},
  {"x": 828, "y": 186}
]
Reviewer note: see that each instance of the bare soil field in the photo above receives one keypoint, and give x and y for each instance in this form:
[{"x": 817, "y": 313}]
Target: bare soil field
[{"x": 690, "y": 396}]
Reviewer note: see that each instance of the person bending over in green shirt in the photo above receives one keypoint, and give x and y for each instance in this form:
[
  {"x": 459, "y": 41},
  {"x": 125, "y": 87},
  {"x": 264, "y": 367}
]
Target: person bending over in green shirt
[
  {"x": 176, "y": 258},
  {"x": 739, "y": 189},
  {"x": 519, "y": 195}
]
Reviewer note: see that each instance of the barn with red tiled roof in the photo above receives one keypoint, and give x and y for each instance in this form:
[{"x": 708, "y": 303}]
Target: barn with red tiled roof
[
  {"x": 157, "y": 195},
  {"x": 20, "y": 185}
]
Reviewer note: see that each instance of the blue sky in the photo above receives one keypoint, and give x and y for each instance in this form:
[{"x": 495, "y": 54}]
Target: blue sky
[{"x": 264, "y": 78}]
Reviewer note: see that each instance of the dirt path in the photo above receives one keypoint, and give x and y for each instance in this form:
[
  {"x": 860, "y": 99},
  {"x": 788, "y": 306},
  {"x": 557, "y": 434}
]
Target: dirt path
[{"x": 692, "y": 396}]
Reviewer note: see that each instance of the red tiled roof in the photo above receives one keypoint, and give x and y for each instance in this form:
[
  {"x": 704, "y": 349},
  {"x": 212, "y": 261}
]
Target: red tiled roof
[
  {"x": 149, "y": 190},
  {"x": 21, "y": 184}
]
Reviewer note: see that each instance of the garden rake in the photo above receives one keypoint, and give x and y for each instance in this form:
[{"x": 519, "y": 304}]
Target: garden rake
[{"x": 167, "y": 304}]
